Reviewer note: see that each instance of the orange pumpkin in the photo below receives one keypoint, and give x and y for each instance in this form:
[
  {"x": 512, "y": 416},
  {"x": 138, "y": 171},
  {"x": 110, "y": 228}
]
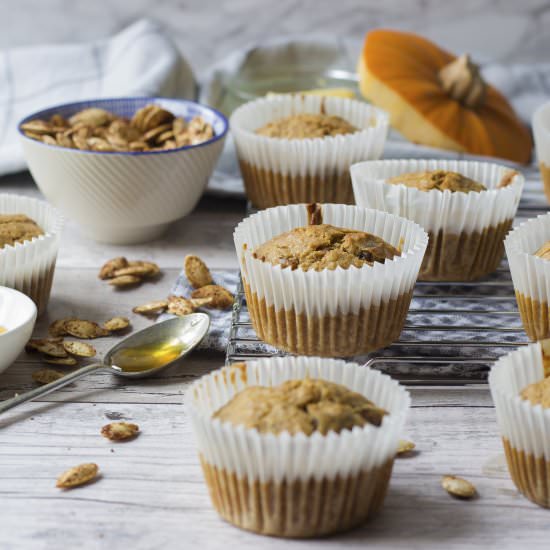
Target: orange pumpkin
[{"x": 437, "y": 99}]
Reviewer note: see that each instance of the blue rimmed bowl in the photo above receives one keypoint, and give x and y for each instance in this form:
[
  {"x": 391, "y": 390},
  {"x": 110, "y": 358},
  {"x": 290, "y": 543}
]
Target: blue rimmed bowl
[{"x": 125, "y": 197}]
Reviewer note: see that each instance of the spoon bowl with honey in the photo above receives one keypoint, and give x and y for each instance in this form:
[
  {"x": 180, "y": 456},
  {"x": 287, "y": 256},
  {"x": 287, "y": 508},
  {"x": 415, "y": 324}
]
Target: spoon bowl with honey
[{"x": 145, "y": 353}]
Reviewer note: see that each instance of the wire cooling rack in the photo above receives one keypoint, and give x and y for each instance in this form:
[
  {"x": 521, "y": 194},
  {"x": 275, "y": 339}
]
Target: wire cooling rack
[{"x": 453, "y": 333}]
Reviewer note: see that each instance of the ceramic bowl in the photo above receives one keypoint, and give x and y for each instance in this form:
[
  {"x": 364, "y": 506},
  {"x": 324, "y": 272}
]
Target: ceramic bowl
[
  {"x": 17, "y": 317},
  {"x": 125, "y": 197}
]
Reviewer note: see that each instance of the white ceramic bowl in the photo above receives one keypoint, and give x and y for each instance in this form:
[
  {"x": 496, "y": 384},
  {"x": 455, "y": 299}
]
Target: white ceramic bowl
[
  {"x": 125, "y": 197},
  {"x": 17, "y": 316}
]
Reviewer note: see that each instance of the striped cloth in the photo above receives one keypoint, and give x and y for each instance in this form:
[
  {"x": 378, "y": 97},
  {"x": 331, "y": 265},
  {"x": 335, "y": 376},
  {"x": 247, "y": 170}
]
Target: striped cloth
[{"x": 139, "y": 61}]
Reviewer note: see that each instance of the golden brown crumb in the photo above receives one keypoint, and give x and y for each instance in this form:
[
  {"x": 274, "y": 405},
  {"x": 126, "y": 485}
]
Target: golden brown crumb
[
  {"x": 306, "y": 406},
  {"x": 307, "y": 125},
  {"x": 325, "y": 247},
  {"x": 438, "y": 179}
]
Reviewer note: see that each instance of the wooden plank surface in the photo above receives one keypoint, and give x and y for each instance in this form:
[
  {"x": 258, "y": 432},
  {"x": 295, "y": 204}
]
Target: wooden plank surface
[{"x": 151, "y": 493}]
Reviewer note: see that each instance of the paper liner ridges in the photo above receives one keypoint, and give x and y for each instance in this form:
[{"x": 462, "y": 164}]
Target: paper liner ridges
[{"x": 282, "y": 484}]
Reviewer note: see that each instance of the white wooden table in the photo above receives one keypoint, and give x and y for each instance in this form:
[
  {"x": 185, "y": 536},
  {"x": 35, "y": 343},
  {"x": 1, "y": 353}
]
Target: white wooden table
[{"x": 151, "y": 493}]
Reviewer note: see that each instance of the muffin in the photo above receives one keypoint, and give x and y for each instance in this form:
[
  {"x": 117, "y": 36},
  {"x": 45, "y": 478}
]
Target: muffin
[
  {"x": 298, "y": 148},
  {"x": 521, "y": 393},
  {"x": 29, "y": 240},
  {"x": 328, "y": 280},
  {"x": 274, "y": 436},
  {"x": 528, "y": 251},
  {"x": 466, "y": 207}
]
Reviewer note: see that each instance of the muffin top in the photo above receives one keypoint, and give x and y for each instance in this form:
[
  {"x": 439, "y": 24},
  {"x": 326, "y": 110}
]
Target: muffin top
[
  {"x": 325, "y": 246},
  {"x": 17, "y": 228},
  {"x": 440, "y": 180},
  {"x": 537, "y": 393},
  {"x": 544, "y": 251},
  {"x": 307, "y": 406},
  {"x": 307, "y": 125}
]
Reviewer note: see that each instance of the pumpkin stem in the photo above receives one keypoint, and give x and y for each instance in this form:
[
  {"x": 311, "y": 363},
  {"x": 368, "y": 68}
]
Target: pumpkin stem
[{"x": 462, "y": 81}]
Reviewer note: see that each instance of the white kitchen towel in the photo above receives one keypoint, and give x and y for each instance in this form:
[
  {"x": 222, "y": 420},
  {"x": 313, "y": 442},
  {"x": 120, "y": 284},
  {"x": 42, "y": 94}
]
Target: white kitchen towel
[{"x": 139, "y": 61}]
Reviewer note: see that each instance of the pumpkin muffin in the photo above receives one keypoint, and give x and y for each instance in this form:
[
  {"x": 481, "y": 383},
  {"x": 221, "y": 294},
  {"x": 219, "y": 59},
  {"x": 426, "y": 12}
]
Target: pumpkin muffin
[
  {"x": 29, "y": 241},
  {"x": 298, "y": 278},
  {"x": 272, "y": 434},
  {"x": 307, "y": 126},
  {"x": 520, "y": 388},
  {"x": 528, "y": 251},
  {"x": 298, "y": 148},
  {"x": 466, "y": 207},
  {"x": 17, "y": 228}
]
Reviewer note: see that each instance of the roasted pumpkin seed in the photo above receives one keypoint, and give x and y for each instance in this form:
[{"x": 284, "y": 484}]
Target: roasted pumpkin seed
[
  {"x": 79, "y": 475},
  {"x": 458, "y": 487},
  {"x": 221, "y": 297},
  {"x": 45, "y": 376},
  {"x": 151, "y": 308},
  {"x": 80, "y": 328},
  {"x": 80, "y": 349},
  {"x": 197, "y": 272},
  {"x": 116, "y": 323},
  {"x": 119, "y": 431}
]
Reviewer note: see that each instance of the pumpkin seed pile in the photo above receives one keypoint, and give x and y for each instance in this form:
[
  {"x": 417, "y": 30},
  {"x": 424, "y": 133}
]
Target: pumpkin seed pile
[
  {"x": 152, "y": 128},
  {"x": 66, "y": 353},
  {"x": 206, "y": 293},
  {"x": 120, "y": 272}
]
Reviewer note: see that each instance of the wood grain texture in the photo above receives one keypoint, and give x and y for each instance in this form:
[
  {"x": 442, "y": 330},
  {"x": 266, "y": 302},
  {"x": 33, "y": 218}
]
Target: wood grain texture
[{"x": 151, "y": 493}]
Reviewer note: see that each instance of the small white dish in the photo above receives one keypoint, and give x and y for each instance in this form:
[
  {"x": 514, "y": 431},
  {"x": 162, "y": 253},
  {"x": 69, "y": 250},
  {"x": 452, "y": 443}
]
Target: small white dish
[{"x": 17, "y": 316}]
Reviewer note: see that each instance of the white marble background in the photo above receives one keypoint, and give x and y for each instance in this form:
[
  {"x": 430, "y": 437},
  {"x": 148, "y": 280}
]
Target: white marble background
[{"x": 207, "y": 30}]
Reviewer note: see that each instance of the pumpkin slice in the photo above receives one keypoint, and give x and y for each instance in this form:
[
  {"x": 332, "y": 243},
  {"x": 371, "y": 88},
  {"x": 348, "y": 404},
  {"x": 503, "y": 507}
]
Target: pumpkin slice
[{"x": 437, "y": 99}]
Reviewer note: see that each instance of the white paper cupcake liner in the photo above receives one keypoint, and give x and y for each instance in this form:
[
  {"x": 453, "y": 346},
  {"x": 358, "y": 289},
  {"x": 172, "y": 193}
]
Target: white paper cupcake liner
[
  {"x": 330, "y": 292},
  {"x": 525, "y": 428},
  {"x": 531, "y": 274},
  {"x": 29, "y": 266},
  {"x": 451, "y": 212},
  {"x": 280, "y": 171},
  {"x": 265, "y": 457},
  {"x": 295, "y": 485}
]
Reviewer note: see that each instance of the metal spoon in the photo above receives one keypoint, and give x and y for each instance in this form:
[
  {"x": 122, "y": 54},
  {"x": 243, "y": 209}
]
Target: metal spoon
[{"x": 183, "y": 333}]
